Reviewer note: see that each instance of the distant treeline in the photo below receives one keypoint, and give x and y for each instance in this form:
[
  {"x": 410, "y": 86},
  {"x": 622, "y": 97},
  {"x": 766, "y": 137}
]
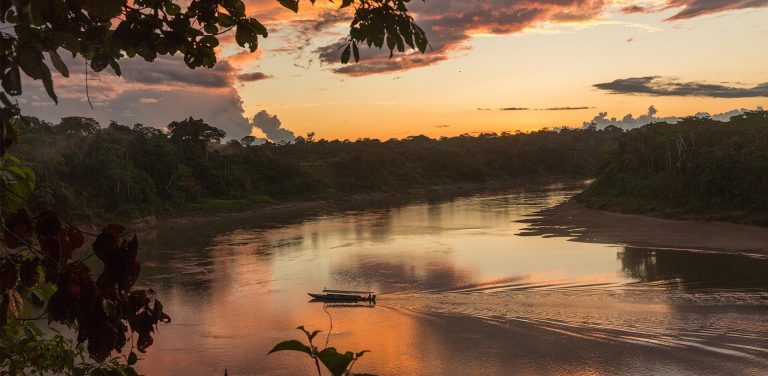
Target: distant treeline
[
  {"x": 94, "y": 173},
  {"x": 697, "y": 168}
]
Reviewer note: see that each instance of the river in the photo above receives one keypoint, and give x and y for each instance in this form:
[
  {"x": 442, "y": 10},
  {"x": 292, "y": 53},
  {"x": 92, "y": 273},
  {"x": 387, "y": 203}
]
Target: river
[{"x": 461, "y": 292}]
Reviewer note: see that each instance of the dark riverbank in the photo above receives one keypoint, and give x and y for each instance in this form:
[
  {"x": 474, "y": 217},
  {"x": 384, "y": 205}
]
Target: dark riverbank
[{"x": 294, "y": 207}]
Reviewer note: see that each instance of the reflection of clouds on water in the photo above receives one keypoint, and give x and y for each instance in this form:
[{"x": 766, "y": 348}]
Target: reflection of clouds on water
[
  {"x": 412, "y": 274},
  {"x": 462, "y": 294}
]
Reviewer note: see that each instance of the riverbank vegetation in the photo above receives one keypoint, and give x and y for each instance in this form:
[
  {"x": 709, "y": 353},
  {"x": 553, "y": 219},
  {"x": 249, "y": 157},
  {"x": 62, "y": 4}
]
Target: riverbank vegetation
[
  {"x": 93, "y": 173},
  {"x": 698, "y": 168}
]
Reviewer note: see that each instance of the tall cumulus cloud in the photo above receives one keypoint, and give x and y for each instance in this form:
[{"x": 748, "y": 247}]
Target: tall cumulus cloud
[
  {"x": 272, "y": 128},
  {"x": 629, "y": 121}
]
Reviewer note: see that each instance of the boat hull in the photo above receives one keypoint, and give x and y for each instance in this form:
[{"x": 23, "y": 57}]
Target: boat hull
[{"x": 339, "y": 297}]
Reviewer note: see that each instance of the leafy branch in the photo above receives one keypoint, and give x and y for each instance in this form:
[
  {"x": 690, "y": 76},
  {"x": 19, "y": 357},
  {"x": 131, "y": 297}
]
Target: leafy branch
[{"x": 338, "y": 364}]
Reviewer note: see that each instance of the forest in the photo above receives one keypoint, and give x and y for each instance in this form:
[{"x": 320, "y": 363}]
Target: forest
[
  {"x": 93, "y": 173},
  {"x": 697, "y": 168}
]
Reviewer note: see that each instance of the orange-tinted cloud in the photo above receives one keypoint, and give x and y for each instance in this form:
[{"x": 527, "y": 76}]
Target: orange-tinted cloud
[{"x": 452, "y": 23}]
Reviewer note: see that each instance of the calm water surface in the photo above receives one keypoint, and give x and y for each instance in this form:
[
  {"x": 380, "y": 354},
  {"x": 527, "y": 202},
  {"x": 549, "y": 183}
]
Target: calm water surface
[{"x": 461, "y": 292}]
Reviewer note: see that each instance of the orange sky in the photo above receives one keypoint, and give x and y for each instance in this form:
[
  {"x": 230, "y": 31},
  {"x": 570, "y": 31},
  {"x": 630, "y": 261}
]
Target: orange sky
[{"x": 681, "y": 56}]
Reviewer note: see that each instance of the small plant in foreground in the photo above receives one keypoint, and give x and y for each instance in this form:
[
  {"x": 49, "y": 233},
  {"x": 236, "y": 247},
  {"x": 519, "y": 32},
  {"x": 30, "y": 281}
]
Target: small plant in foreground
[{"x": 337, "y": 363}]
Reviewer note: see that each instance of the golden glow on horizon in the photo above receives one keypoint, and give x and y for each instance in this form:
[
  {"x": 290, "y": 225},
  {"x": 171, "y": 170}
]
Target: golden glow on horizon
[{"x": 547, "y": 65}]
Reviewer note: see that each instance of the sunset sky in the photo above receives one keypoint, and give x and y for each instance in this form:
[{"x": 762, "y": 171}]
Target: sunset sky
[{"x": 494, "y": 66}]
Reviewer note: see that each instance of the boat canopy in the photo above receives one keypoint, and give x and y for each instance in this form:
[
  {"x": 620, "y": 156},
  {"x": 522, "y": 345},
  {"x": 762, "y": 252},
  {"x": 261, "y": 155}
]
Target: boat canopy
[{"x": 347, "y": 291}]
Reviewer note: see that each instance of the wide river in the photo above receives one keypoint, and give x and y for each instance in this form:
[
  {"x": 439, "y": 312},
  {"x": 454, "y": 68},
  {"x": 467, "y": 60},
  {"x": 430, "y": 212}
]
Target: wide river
[{"x": 461, "y": 290}]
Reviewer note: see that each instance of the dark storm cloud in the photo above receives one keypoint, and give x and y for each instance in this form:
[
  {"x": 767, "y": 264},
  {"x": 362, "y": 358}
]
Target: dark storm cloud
[{"x": 659, "y": 86}]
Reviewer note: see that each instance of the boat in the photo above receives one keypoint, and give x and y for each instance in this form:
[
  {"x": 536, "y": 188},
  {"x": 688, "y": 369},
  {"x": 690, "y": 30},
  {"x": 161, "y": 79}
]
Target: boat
[{"x": 344, "y": 296}]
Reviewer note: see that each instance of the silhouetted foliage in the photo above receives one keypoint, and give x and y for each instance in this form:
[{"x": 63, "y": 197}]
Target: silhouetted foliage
[
  {"x": 133, "y": 171},
  {"x": 337, "y": 363},
  {"x": 698, "y": 167}
]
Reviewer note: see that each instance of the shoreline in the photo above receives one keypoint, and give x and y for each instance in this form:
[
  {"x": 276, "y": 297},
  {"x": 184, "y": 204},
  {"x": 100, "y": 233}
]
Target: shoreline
[
  {"x": 582, "y": 224},
  {"x": 344, "y": 202}
]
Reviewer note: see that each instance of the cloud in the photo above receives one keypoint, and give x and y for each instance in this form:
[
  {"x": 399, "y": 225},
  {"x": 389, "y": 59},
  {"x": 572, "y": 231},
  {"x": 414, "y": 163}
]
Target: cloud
[
  {"x": 147, "y": 93},
  {"x": 442, "y": 126},
  {"x": 270, "y": 125},
  {"x": 634, "y": 8},
  {"x": 630, "y": 40},
  {"x": 171, "y": 70},
  {"x": 565, "y": 108},
  {"x": 601, "y": 120},
  {"x": 252, "y": 76},
  {"x": 451, "y": 24},
  {"x": 725, "y": 116},
  {"x": 695, "y": 8},
  {"x": 660, "y": 86}
]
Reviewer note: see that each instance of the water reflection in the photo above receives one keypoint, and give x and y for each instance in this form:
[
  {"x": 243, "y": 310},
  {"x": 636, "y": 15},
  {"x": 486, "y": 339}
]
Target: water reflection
[
  {"x": 459, "y": 293},
  {"x": 695, "y": 269}
]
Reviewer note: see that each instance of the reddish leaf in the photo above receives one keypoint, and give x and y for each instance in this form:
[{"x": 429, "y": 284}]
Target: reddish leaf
[
  {"x": 48, "y": 225},
  {"x": 8, "y": 275},
  {"x": 18, "y": 227},
  {"x": 28, "y": 272}
]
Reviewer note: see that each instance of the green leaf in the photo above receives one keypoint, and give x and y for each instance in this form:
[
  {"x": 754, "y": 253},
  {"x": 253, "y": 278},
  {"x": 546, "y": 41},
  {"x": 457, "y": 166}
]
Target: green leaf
[
  {"x": 291, "y": 345},
  {"x": 345, "y": 55},
  {"x": 103, "y": 8},
  {"x": 58, "y": 63},
  {"x": 245, "y": 35},
  {"x": 12, "y": 80},
  {"x": 258, "y": 28},
  {"x": 290, "y": 4},
  {"x": 171, "y": 8},
  {"x": 115, "y": 67},
  {"x": 211, "y": 28},
  {"x": 30, "y": 60},
  {"x": 355, "y": 52},
  {"x": 346, "y": 3},
  {"x": 309, "y": 335},
  {"x": 132, "y": 358},
  {"x": 48, "y": 83},
  {"x": 361, "y": 353},
  {"x": 421, "y": 39},
  {"x": 235, "y": 7},
  {"x": 209, "y": 41},
  {"x": 226, "y": 20},
  {"x": 335, "y": 362}
]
